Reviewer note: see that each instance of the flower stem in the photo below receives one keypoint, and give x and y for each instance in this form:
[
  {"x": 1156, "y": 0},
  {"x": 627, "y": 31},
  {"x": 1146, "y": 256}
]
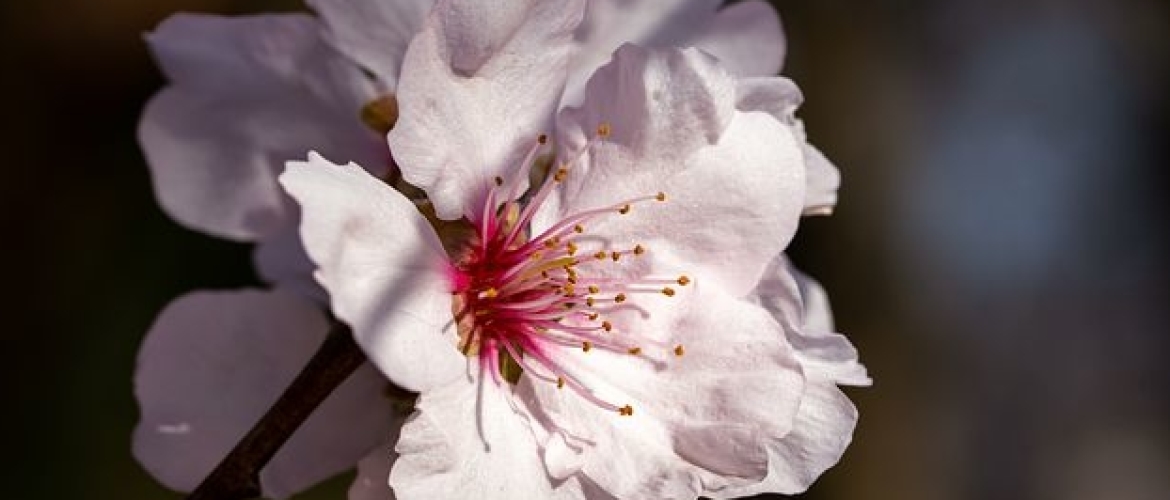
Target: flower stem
[{"x": 237, "y": 477}]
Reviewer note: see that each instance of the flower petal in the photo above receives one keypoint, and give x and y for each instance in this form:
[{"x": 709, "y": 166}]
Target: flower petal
[
  {"x": 821, "y": 432},
  {"x": 215, "y": 361},
  {"x": 384, "y": 269},
  {"x": 745, "y": 36},
  {"x": 780, "y": 97},
  {"x": 469, "y": 440},
  {"x": 374, "y": 33},
  {"x": 675, "y": 129},
  {"x": 699, "y": 420},
  {"x": 281, "y": 259},
  {"x": 480, "y": 83},
  {"x": 799, "y": 302},
  {"x": 247, "y": 94}
]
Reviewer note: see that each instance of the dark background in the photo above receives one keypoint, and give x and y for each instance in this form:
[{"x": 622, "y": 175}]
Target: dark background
[{"x": 999, "y": 254}]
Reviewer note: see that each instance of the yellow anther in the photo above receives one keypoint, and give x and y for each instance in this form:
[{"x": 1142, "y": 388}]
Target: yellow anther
[
  {"x": 683, "y": 280},
  {"x": 549, "y": 243},
  {"x": 569, "y": 289},
  {"x": 607, "y": 326},
  {"x": 634, "y": 350},
  {"x": 625, "y": 209},
  {"x": 603, "y": 130},
  {"x": 560, "y": 383},
  {"x": 600, "y": 255},
  {"x": 490, "y": 293},
  {"x": 589, "y": 301},
  {"x": 570, "y": 305},
  {"x": 593, "y": 316},
  {"x": 660, "y": 196},
  {"x": 571, "y": 248},
  {"x": 561, "y": 174},
  {"x": 668, "y": 291},
  {"x": 619, "y": 298},
  {"x": 594, "y": 289},
  {"x": 639, "y": 249},
  {"x": 535, "y": 256},
  {"x": 577, "y": 228},
  {"x": 542, "y": 139},
  {"x": 678, "y": 350},
  {"x": 615, "y": 256},
  {"x": 626, "y": 411},
  {"x": 586, "y": 346}
]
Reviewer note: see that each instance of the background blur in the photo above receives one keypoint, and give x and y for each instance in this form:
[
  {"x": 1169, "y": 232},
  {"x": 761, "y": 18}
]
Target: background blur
[{"x": 999, "y": 255}]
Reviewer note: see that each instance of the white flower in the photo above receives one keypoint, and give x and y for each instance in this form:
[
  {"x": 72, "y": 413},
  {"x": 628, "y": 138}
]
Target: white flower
[{"x": 623, "y": 285}]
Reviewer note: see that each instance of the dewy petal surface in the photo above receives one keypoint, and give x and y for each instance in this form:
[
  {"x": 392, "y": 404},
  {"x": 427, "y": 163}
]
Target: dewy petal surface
[
  {"x": 246, "y": 95},
  {"x": 384, "y": 268},
  {"x": 374, "y": 33},
  {"x": 479, "y": 83},
  {"x": 734, "y": 180},
  {"x": 745, "y": 36},
  {"x": 215, "y": 361}
]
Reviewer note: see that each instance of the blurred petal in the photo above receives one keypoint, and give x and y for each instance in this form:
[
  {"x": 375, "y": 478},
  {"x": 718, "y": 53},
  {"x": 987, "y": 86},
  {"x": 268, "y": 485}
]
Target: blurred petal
[
  {"x": 281, "y": 259},
  {"x": 246, "y": 94},
  {"x": 373, "y": 476},
  {"x": 214, "y": 362},
  {"x": 747, "y": 39},
  {"x": 374, "y": 33},
  {"x": 675, "y": 129},
  {"x": 384, "y": 268},
  {"x": 480, "y": 83}
]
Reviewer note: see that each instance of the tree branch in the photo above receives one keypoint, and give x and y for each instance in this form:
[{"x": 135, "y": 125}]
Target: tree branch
[{"x": 237, "y": 477}]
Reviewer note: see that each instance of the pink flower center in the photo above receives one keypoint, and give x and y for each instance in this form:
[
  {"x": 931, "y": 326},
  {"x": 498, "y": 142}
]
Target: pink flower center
[{"x": 534, "y": 299}]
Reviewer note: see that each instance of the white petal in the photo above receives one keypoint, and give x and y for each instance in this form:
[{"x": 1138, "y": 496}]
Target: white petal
[
  {"x": 374, "y": 33},
  {"x": 799, "y": 302},
  {"x": 822, "y": 430},
  {"x": 469, "y": 441},
  {"x": 247, "y": 94},
  {"x": 675, "y": 129},
  {"x": 780, "y": 97},
  {"x": 214, "y": 362},
  {"x": 699, "y": 421},
  {"x": 746, "y": 36},
  {"x": 384, "y": 269},
  {"x": 479, "y": 84}
]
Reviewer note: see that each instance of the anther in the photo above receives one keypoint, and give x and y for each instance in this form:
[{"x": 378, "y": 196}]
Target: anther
[
  {"x": 615, "y": 256},
  {"x": 625, "y": 209},
  {"x": 619, "y": 298},
  {"x": 560, "y": 383},
  {"x": 542, "y": 139},
  {"x": 600, "y": 255},
  {"x": 683, "y": 280},
  {"x": 571, "y": 248},
  {"x": 561, "y": 174},
  {"x": 603, "y": 130},
  {"x": 639, "y": 249},
  {"x": 668, "y": 291},
  {"x": 660, "y": 196},
  {"x": 499, "y": 180},
  {"x": 593, "y": 316},
  {"x": 589, "y": 301},
  {"x": 577, "y": 228},
  {"x": 626, "y": 411},
  {"x": 594, "y": 289},
  {"x": 634, "y": 350},
  {"x": 490, "y": 293},
  {"x": 607, "y": 326},
  {"x": 678, "y": 350},
  {"x": 549, "y": 243},
  {"x": 586, "y": 346}
]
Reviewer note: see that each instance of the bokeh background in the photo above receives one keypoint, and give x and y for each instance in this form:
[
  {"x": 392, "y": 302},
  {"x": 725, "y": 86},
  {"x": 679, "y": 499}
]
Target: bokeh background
[{"x": 999, "y": 255}]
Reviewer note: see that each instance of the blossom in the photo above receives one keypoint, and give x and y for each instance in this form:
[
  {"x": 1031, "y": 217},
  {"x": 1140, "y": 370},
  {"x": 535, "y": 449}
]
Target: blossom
[{"x": 620, "y": 286}]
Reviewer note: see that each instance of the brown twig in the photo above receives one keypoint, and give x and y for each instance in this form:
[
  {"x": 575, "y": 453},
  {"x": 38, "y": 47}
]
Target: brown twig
[{"x": 237, "y": 477}]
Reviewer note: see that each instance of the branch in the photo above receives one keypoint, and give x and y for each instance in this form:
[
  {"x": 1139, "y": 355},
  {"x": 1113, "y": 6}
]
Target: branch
[{"x": 237, "y": 477}]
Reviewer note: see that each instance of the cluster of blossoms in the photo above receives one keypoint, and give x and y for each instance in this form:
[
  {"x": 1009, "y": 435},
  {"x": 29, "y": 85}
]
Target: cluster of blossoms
[{"x": 560, "y": 224}]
